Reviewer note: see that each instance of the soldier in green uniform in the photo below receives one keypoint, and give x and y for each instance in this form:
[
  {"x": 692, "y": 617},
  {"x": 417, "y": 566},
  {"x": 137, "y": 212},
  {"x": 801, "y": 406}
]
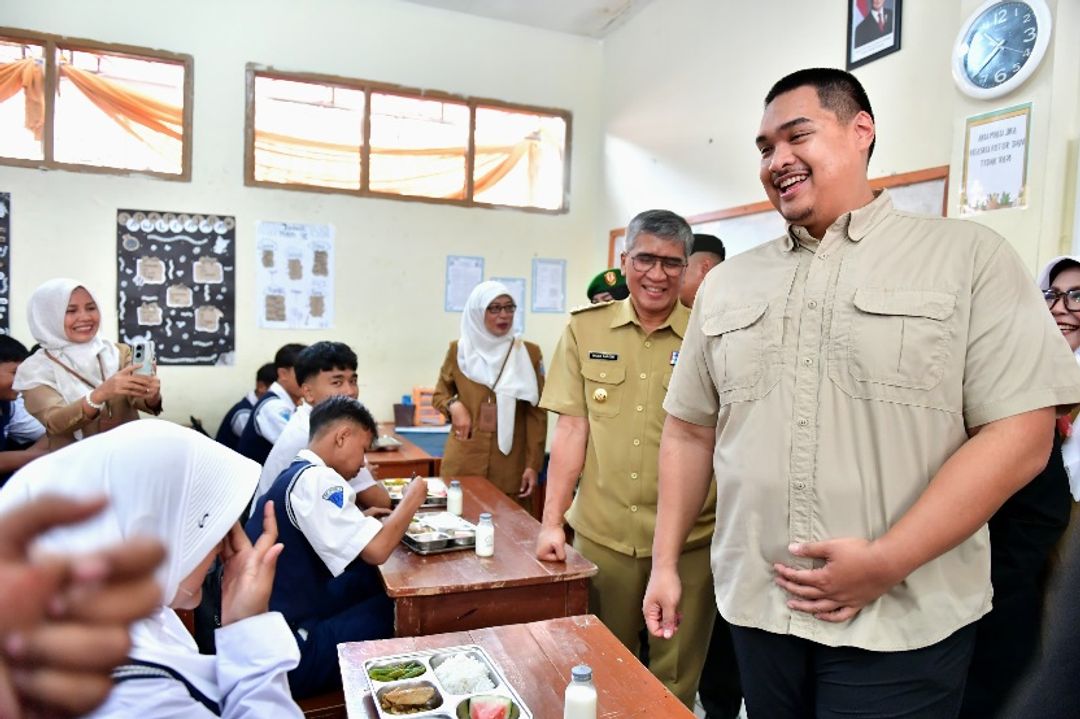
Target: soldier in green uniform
[
  {"x": 608, "y": 285},
  {"x": 607, "y": 383}
]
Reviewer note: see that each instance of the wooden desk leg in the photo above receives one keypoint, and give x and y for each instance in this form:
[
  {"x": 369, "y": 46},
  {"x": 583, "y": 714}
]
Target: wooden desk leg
[
  {"x": 407, "y": 617},
  {"x": 577, "y": 597}
]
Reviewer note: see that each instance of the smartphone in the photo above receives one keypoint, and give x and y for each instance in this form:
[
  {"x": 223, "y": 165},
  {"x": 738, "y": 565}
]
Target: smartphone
[{"x": 142, "y": 353}]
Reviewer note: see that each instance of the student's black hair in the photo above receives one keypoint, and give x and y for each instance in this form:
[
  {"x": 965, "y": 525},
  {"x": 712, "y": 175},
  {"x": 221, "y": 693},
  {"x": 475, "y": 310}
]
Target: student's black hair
[
  {"x": 323, "y": 356},
  {"x": 286, "y": 356},
  {"x": 12, "y": 350},
  {"x": 267, "y": 374},
  {"x": 838, "y": 91},
  {"x": 340, "y": 407}
]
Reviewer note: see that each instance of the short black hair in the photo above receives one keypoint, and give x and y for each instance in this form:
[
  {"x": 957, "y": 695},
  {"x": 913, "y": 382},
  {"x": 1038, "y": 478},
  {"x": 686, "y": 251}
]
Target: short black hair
[
  {"x": 838, "y": 91},
  {"x": 323, "y": 356},
  {"x": 709, "y": 243},
  {"x": 12, "y": 350},
  {"x": 340, "y": 407},
  {"x": 286, "y": 356},
  {"x": 267, "y": 374}
]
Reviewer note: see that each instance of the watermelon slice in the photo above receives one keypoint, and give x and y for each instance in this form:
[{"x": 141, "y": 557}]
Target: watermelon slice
[{"x": 489, "y": 707}]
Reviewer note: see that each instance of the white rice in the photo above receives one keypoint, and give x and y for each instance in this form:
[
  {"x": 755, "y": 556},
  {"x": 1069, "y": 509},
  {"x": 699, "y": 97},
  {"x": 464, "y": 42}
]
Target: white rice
[{"x": 461, "y": 674}]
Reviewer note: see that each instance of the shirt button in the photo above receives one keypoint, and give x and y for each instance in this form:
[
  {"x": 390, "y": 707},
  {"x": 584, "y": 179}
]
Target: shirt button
[
  {"x": 812, "y": 304},
  {"x": 803, "y": 422},
  {"x": 603, "y": 375},
  {"x": 640, "y": 408},
  {"x": 800, "y": 485},
  {"x": 637, "y": 442},
  {"x": 633, "y": 475},
  {"x": 648, "y": 344},
  {"x": 808, "y": 361},
  {"x": 633, "y": 507},
  {"x": 642, "y": 375},
  {"x": 823, "y": 256}
]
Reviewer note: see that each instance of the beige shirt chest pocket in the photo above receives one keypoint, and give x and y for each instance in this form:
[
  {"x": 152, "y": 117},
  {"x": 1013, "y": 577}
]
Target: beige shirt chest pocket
[
  {"x": 894, "y": 344},
  {"x": 739, "y": 352},
  {"x": 605, "y": 384}
]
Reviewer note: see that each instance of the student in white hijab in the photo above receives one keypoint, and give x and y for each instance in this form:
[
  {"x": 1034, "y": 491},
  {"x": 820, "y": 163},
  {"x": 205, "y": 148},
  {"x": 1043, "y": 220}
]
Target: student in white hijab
[
  {"x": 172, "y": 483},
  {"x": 78, "y": 383},
  {"x": 1024, "y": 534},
  {"x": 488, "y": 388}
]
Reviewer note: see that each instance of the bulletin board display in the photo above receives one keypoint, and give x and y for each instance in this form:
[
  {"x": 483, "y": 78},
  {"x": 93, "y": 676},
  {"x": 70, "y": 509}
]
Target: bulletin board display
[
  {"x": 5, "y": 261},
  {"x": 176, "y": 284}
]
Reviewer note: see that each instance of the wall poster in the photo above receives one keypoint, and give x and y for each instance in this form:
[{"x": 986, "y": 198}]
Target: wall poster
[
  {"x": 294, "y": 275},
  {"x": 996, "y": 160},
  {"x": 176, "y": 284},
  {"x": 5, "y": 262}
]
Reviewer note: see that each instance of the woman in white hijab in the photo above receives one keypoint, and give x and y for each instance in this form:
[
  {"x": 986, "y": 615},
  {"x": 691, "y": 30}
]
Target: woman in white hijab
[
  {"x": 1024, "y": 534},
  {"x": 488, "y": 388},
  {"x": 79, "y": 384},
  {"x": 174, "y": 484}
]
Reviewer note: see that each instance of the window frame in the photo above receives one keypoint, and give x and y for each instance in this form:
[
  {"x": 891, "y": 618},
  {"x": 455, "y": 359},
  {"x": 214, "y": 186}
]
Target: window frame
[
  {"x": 254, "y": 70},
  {"x": 51, "y": 43}
]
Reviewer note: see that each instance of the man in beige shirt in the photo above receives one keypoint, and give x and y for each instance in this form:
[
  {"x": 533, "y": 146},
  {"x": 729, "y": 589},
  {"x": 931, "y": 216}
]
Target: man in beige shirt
[{"x": 868, "y": 388}]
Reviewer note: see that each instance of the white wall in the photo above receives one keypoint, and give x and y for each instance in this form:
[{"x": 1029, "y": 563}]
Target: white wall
[{"x": 390, "y": 254}]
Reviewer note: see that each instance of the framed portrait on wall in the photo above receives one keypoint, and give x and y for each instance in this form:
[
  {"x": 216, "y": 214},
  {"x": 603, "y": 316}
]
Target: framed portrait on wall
[{"x": 873, "y": 30}]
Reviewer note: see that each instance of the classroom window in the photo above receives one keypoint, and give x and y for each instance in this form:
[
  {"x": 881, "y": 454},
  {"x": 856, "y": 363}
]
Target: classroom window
[
  {"x": 337, "y": 134},
  {"x": 88, "y": 106}
]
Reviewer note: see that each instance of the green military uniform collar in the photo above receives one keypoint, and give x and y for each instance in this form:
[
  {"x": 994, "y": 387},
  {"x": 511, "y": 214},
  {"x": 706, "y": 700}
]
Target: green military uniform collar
[
  {"x": 855, "y": 224},
  {"x": 625, "y": 314}
]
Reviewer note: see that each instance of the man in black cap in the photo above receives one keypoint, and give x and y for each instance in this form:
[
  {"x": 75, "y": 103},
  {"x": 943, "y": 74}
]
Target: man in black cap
[
  {"x": 607, "y": 286},
  {"x": 707, "y": 253}
]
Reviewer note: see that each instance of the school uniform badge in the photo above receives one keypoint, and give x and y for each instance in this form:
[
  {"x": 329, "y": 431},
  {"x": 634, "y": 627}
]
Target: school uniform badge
[
  {"x": 674, "y": 357},
  {"x": 335, "y": 496}
]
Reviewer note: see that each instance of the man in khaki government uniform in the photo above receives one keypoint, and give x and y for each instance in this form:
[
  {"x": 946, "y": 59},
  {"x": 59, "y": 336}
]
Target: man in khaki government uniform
[
  {"x": 607, "y": 382},
  {"x": 868, "y": 389}
]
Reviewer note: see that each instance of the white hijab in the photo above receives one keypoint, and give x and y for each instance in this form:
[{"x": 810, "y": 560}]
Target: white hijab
[
  {"x": 45, "y": 315},
  {"x": 480, "y": 356},
  {"x": 162, "y": 481},
  {"x": 1070, "y": 448}
]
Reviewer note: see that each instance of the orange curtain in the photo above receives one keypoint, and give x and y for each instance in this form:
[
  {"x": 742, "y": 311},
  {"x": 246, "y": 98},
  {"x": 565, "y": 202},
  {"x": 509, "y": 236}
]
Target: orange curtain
[
  {"x": 28, "y": 76},
  {"x": 125, "y": 106}
]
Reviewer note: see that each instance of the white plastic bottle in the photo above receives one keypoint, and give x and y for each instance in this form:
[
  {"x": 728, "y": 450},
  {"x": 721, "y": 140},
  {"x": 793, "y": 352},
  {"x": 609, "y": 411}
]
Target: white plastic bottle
[
  {"x": 454, "y": 498},
  {"x": 580, "y": 698},
  {"x": 485, "y": 536}
]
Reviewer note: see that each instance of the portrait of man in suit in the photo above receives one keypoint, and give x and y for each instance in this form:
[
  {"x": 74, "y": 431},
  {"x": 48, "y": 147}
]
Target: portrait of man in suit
[
  {"x": 873, "y": 30},
  {"x": 877, "y": 23}
]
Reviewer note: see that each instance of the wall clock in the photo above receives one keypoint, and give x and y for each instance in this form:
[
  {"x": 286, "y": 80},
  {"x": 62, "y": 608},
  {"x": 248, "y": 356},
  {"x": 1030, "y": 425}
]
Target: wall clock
[{"x": 1000, "y": 46}]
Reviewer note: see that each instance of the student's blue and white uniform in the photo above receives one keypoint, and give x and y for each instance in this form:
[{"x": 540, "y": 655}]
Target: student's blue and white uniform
[
  {"x": 268, "y": 418},
  {"x": 18, "y": 428},
  {"x": 325, "y": 591},
  {"x": 232, "y": 425}
]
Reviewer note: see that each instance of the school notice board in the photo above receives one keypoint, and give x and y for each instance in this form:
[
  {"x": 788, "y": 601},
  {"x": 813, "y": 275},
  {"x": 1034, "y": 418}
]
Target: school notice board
[
  {"x": 5, "y": 261},
  {"x": 294, "y": 275},
  {"x": 176, "y": 284}
]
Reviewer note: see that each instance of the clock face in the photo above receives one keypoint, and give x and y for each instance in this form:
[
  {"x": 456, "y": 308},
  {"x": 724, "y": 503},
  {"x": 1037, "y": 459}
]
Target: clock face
[{"x": 1000, "y": 46}]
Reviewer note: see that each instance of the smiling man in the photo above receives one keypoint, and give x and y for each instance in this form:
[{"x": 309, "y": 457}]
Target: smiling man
[
  {"x": 607, "y": 382},
  {"x": 868, "y": 389}
]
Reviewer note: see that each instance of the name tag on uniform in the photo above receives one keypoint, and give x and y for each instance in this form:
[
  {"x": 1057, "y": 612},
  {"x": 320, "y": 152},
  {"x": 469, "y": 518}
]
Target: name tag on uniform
[
  {"x": 607, "y": 356},
  {"x": 674, "y": 357}
]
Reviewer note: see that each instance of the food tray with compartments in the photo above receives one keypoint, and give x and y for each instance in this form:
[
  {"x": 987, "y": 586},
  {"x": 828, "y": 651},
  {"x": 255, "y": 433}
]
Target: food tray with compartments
[
  {"x": 439, "y": 532},
  {"x": 421, "y": 692},
  {"x": 436, "y": 495}
]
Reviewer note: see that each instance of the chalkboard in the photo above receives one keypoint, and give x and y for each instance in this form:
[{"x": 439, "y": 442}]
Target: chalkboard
[{"x": 176, "y": 284}]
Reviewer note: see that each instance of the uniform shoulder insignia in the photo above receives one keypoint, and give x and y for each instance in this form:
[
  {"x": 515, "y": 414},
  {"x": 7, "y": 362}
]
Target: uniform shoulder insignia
[{"x": 590, "y": 306}]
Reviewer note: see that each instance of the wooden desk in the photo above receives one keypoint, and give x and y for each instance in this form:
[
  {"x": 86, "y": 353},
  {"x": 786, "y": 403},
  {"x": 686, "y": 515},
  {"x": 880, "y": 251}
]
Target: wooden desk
[
  {"x": 536, "y": 659},
  {"x": 402, "y": 462},
  {"x": 459, "y": 591}
]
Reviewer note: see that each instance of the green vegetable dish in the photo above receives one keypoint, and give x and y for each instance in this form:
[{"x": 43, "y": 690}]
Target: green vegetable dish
[{"x": 394, "y": 672}]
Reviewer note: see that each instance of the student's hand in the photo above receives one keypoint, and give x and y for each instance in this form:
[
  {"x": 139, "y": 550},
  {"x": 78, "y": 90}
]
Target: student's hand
[
  {"x": 153, "y": 391},
  {"x": 125, "y": 383},
  {"x": 65, "y": 619},
  {"x": 460, "y": 421},
  {"x": 415, "y": 494},
  {"x": 661, "y": 604},
  {"x": 551, "y": 544},
  {"x": 377, "y": 512},
  {"x": 856, "y": 572},
  {"x": 248, "y": 576},
  {"x": 528, "y": 483}
]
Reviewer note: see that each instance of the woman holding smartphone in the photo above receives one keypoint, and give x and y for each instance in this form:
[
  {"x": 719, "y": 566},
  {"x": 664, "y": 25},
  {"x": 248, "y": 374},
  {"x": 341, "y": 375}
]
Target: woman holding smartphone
[{"x": 78, "y": 383}]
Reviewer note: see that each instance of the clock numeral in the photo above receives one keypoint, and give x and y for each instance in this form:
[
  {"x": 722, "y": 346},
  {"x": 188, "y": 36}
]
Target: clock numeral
[
  {"x": 1027, "y": 53},
  {"x": 1027, "y": 17},
  {"x": 1016, "y": 67},
  {"x": 1001, "y": 16},
  {"x": 1030, "y": 34},
  {"x": 1000, "y": 76}
]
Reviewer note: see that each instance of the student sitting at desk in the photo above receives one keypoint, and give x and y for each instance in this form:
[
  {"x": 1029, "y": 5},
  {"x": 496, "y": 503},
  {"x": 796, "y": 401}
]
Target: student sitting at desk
[
  {"x": 22, "y": 438},
  {"x": 272, "y": 412},
  {"x": 323, "y": 370},
  {"x": 326, "y": 585},
  {"x": 232, "y": 425}
]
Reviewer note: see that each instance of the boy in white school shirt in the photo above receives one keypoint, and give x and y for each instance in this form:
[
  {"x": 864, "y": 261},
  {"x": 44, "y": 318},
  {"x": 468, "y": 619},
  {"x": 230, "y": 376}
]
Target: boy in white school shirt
[
  {"x": 323, "y": 370},
  {"x": 326, "y": 586},
  {"x": 273, "y": 410}
]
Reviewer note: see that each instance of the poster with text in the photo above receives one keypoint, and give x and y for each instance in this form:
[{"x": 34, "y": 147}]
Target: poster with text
[
  {"x": 294, "y": 275},
  {"x": 463, "y": 273},
  {"x": 5, "y": 261},
  {"x": 176, "y": 284},
  {"x": 995, "y": 160},
  {"x": 548, "y": 285}
]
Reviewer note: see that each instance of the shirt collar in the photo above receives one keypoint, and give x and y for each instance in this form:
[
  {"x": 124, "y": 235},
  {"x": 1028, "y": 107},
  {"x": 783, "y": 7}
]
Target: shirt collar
[
  {"x": 308, "y": 455},
  {"x": 280, "y": 392},
  {"x": 626, "y": 314},
  {"x": 855, "y": 225},
  {"x": 250, "y": 397}
]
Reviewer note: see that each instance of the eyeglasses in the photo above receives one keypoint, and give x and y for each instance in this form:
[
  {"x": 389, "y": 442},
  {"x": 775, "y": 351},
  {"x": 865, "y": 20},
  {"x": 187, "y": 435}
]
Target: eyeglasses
[
  {"x": 1071, "y": 298},
  {"x": 501, "y": 309},
  {"x": 672, "y": 266}
]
